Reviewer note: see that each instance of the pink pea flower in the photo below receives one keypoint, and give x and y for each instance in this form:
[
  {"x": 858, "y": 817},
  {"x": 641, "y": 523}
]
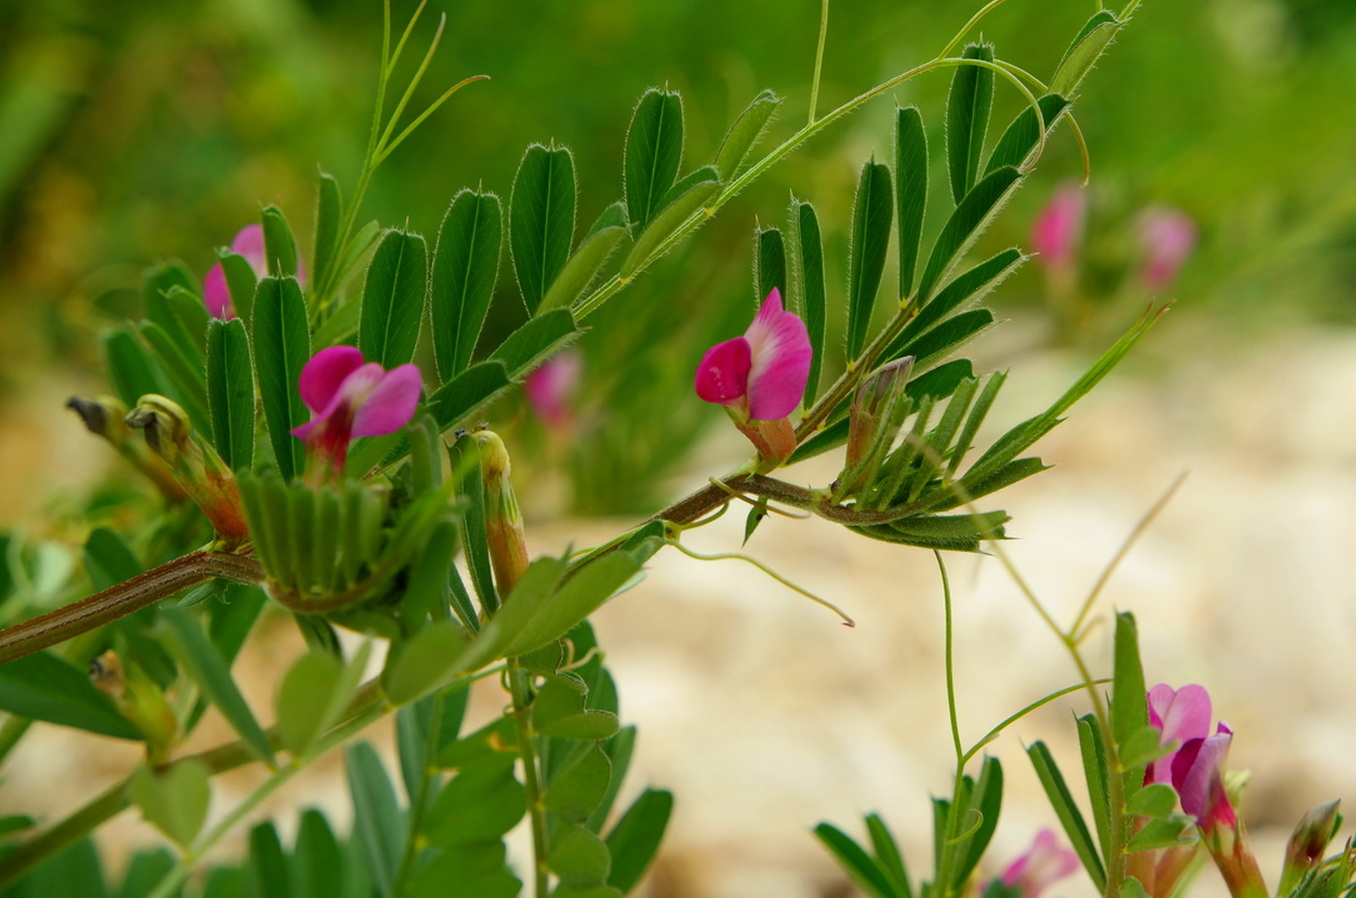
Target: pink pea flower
[
  {"x": 1181, "y": 715},
  {"x": 1167, "y": 237},
  {"x": 249, "y": 243},
  {"x": 1045, "y": 863},
  {"x": 550, "y": 388},
  {"x": 1058, "y": 228},
  {"x": 216, "y": 295},
  {"x": 349, "y": 398},
  {"x": 760, "y": 378},
  {"x": 1198, "y": 777}
]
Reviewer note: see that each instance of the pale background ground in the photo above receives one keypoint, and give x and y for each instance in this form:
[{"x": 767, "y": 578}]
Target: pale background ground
[{"x": 766, "y": 716}]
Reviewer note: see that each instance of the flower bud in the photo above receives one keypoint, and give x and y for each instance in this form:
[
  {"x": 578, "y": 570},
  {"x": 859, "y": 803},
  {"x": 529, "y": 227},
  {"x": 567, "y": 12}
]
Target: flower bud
[
  {"x": 104, "y": 416},
  {"x": 140, "y": 700},
  {"x": 1307, "y": 844},
  {"x": 874, "y": 422},
  {"x": 196, "y": 465},
  {"x": 503, "y": 520}
]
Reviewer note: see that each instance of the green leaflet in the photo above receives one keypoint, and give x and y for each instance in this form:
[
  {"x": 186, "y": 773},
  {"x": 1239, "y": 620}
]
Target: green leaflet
[
  {"x": 230, "y": 392},
  {"x": 770, "y": 270},
  {"x": 282, "y": 346},
  {"x": 744, "y": 134},
  {"x": 393, "y": 299},
  {"x": 541, "y": 220},
  {"x": 653, "y": 153},
  {"x": 872, "y": 213},
  {"x": 967, "y": 118},
  {"x": 911, "y": 190},
  {"x": 465, "y": 266}
]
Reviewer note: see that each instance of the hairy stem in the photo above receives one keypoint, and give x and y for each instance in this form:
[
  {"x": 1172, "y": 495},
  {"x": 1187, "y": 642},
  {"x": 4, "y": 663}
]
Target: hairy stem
[
  {"x": 527, "y": 750},
  {"x": 124, "y": 598}
]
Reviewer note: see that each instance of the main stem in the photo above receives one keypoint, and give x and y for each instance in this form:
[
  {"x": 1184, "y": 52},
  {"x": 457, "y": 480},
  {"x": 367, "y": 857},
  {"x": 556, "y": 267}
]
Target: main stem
[
  {"x": 124, "y": 598},
  {"x": 527, "y": 750}
]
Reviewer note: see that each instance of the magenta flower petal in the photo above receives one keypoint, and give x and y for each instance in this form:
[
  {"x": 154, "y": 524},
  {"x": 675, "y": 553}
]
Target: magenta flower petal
[
  {"x": 324, "y": 374},
  {"x": 249, "y": 242},
  {"x": 1182, "y": 715},
  {"x": 723, "y": 375},
  {"x": 390, "y": 403},
  {"x": 1198, "y": 777},
  {"x": 216, "y": 295},
  {"x": 780, "y": 347}
]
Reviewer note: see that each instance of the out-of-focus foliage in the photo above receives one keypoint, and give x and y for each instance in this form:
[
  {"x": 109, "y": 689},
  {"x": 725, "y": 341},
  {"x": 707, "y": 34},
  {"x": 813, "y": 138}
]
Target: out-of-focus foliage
[{"x": 140, "y": 131}]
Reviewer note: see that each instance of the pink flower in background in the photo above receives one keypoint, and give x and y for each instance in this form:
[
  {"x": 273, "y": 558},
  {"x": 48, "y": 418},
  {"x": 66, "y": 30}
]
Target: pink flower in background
[
  {"x": 1167, "y": 237},
  {"x": 215, "y": 293},
  {"x": 249, "y": 242},
  {"x": 550, "y": 388},
  {"x": 349, "y": 398},
  {"x": 760, "y": 376},
  {"x": 1045, "y": 863},
  {"x": 1058, "y": 229}
]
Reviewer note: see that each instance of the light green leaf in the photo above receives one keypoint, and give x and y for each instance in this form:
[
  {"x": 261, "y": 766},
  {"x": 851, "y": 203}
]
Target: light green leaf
[
  {"x": 647, "y": 245},
  {"x": 280, "y": 247},
  {"x": 744, "y": 134},
  {"x": 379, "y": 825},
  {"x": 575, "y": 792},
  {"x": 174, "y": 800},
  {"x": 42, "y": 686},
  {"x": 588, "y": 259},
  {"x": 1129, "y": 702},
  {"x": 535, "y": 341},
  {"x": 578, "y": 857},
  {"x": 1082, "y": 55},
  {"x": 634, "y": 840},
  {"x": 329, "y": 208}
]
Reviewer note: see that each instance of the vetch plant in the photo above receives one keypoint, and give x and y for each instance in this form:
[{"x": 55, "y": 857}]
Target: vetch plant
[{"x": 321, "y": 446}]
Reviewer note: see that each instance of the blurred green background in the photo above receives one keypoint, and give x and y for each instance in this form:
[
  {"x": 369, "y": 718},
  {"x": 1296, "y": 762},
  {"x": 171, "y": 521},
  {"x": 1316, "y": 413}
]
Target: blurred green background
[{"x": 138, "y": 131}]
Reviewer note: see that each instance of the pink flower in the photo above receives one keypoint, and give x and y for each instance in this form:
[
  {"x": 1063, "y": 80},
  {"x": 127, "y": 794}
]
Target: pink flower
[
  {"x": 1167, "y": 237},
  {"x": 550, "y": 388},
  {"x": 760, "y": 376},
  {"x": 349, "y": 398},
  {"x": 1058, "y": 228},
  {"x": 1045, "y": 863},
  {"x": 216, "y": 295},
  {"x": 249, "y": 242},
  {"x": 1181, "y": 715}
]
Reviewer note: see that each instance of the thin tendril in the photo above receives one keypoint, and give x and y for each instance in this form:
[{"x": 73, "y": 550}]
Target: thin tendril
[{"x": 734, "y": 556}]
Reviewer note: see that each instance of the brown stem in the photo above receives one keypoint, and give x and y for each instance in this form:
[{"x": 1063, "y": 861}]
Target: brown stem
[{"x": 125, "y": 598}]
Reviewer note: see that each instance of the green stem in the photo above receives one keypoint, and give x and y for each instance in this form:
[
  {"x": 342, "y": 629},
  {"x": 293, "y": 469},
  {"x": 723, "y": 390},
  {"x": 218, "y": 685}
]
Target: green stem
[
  {"x": 522, "y": 718},
  {"x": 819, "y": 59},
  {"x": 950, "y": 667},
  {"x": 124, "y": 598}
]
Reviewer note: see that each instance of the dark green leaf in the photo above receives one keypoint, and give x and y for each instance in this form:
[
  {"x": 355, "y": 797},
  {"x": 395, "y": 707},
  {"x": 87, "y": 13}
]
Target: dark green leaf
[
  {"x": 744, "y": 134},
  {"x": 481, "y": 803},
  {"x": 186, "y": 374},
  {"x": 771, "y": 271},
  {"x": 317, "y": 858},
  {"x": 535, "y": 341},
  {"x": 467, "y": 871},
  {"x": 156, "y": 285},
  {"x": 145, "y": 871},
  {"x": 583, "y": 592},
  {"x": 872, "y": 212},
  {"x": 1067, "y": 811},
  {"x": 465, "y": 267},
  {"x": 1082, "y": 55},
  {"x": 134, "y": 374},
  {"x": 1095, "y": 774},
  {"x": 393, "y": 299},
  {"x": 196, "y": 654},
  {"x": 241, "y": 283},
  {"x": 575, "y": 792},
  {"x": 967, "y": 118},
  {"x": 888, "y": 856},
  {"x": 191, "y": 318},
  {"x": 280, "y": 247},
  {"x": 108, "y": 559},
  {"x": 266, "y": 869},
  {"x": 860, "y": 867},
  {"x": 967, "y": 287},
  {"x": 653, "y": 153},
  {"x": 810, "y": 256},
  {"x": 932, "y": 346},
  {"x": 593, "y": 251},
  {"x": 578, "y": 857},
  {"x": 329, "y": 208},
  {"x": 230, "y": 392},
  {"x": 1142, "y": 748},
  {"x": 465, "y": 456},
  {"x": 986, "y": 801},
  {"x": 648, "y": 246},
  {"x": 911, "y": 190},
  {"x": 379, "y": 826},
  {"x": 541, "y": 220},
  {"x": 619, "y": 750},
  {"x": 966, "y": 223},
  {"x": 282, "y": 346},
  {"x": 42, "y": 686},
  {"x": 1020, "y": 139}
]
